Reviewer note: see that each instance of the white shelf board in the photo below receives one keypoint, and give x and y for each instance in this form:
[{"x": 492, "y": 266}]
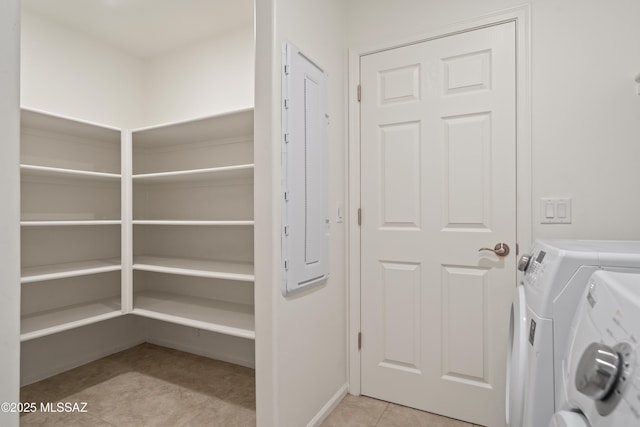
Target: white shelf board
[
  {"x": 72, "y": 269},
  {"x": 52, "y": 321},
  {"x": 37, "y": 119},
  {"x": 223, "y": 172},
  {"x": 192, "y": 222},
  {"x": 202, "y": 313},
  {"x": 196, "y": 267},
  {"x": 49, "y": 172},
  {"x": 231, "y": 124},
  {"x": 57, "y": 223}
]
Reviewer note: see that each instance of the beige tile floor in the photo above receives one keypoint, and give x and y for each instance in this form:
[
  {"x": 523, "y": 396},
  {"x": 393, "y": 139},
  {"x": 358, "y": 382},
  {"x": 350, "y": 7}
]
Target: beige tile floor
[
  {"x": 149, "y": 385},
  {"x": 363, "y": 411}
]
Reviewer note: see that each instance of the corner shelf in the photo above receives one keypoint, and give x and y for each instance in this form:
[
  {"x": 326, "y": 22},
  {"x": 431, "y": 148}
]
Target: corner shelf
[
  {"x": 66, "y": 270},
  {"x": 71, "y": 220},
  {"x": 225, "y": 126},
  {"x": 31, "y": 118},
  {"x": 195, "y": 267},
  {"x": 194, "y": 174},
  {"x": 56, "y": 223},
  {"x": 51, "y": 172},
  {"x": 202, "y": 313},
  {"x": 57, "y": 320},
  {"x": 195, "y": 222},
  {"x": 223, "y": 172},
  {"x": 186, "y": 175}
]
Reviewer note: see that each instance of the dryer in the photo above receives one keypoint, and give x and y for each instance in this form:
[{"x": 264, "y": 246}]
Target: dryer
[
  {"x": 601, "y": 369},
  {"x": 556, "y": 273}
]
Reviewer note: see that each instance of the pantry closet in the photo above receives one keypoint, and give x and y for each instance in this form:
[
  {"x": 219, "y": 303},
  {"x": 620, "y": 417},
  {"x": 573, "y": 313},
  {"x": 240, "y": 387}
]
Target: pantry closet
[
  {"x": 137, "y": 216},
  {"x": 137, "y": 219},
  {"x": 192, "y": 240}
]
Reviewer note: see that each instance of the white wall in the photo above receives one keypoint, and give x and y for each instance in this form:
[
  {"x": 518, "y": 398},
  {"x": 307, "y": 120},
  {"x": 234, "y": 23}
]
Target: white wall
[
  {"x": 10, "y": 211},
  {"x": 210, "y": 77},
  {"x": 586, "y": 115},
  {"x": 266, "y": 234},
  {"x": 76, "y": 75},
  {"x": 372, "y": 22},
  {"x": 239, "y": 351},
  {"x": 302, "y": 339},
  {"x": 585, "y": 110},
  {"x": 53, "y": 354}
]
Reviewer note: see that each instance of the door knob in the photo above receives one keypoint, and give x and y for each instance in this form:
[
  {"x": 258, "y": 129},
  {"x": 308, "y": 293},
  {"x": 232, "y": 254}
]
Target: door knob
[{"x": 501, "y": 249}]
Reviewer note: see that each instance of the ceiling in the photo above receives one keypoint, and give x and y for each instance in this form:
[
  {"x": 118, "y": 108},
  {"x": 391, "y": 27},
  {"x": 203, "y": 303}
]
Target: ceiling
[{"x": 147, "y": 28}]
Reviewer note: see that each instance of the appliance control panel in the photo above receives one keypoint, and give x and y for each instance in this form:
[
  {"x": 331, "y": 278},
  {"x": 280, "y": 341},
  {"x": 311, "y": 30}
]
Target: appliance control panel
[
  {"x": 604, "y": 358},
  {"x": 536, "y": 266}
]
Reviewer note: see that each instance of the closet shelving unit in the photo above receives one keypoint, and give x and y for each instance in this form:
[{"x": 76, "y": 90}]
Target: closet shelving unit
[
  {"x": 193, "y": 223},
  {"x": 70, "y": 222},
  {"x": 157, "y": 222}
]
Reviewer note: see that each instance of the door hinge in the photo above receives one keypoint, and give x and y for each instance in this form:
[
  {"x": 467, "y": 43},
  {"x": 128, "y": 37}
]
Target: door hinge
[
  {"x": 286, "y": 69},
  {"x": 359, "y": 216},
  {"x": 286, "y": 104},
  {"x": 359, "y": 340},
  {"x": 359, "y": 93}
]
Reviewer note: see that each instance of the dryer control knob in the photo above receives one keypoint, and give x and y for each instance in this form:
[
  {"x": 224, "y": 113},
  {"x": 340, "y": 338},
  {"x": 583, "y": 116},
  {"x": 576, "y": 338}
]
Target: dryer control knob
[
  {"x": 523, "y": 263},
  {"x": 598, "y": 371}
]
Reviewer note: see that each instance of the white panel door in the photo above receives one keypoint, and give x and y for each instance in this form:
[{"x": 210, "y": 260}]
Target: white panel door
[{"x": 438, "y": 147}]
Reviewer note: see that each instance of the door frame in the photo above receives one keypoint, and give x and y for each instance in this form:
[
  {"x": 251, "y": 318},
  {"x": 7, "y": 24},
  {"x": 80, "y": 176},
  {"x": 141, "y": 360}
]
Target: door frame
[{"x": 522, "y": 17}]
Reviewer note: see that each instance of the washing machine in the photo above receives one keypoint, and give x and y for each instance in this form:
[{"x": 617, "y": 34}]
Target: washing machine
[
  {"x": 601, "y": 367},
  {"x": 556, "y": 272}
]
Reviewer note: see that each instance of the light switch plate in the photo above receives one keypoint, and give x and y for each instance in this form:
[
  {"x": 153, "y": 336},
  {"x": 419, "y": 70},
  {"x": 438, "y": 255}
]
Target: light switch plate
[{"x": 555, "y": 210}]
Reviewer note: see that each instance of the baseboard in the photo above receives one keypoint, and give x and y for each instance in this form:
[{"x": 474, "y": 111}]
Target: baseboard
[
  {"x": 329, "y": 406},
  {"x": 201, "y": 352}
]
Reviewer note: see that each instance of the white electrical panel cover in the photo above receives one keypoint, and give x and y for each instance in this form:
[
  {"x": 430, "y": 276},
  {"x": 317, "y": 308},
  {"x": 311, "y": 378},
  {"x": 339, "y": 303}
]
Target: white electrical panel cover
[{"x": 305, "y": 214}]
